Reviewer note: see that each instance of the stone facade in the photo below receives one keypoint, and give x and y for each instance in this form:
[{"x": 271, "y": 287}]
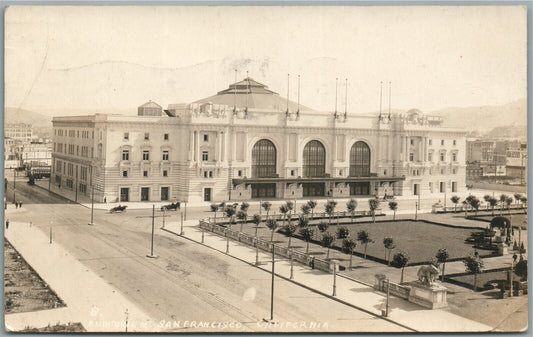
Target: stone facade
[{"x": 214, "y": 154}]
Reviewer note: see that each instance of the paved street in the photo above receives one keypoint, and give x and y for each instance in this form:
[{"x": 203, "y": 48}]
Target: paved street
[{"x": 187, "y": 282}]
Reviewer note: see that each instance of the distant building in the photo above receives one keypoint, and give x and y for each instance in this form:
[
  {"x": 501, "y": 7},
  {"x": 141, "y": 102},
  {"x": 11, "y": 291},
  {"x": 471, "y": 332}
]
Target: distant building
[
  {"x": 18, "y": 131},
  {"x": 247, "y": 142},
  {"x": 37, "y": 154},
  {"x": 516, "y": 164}
]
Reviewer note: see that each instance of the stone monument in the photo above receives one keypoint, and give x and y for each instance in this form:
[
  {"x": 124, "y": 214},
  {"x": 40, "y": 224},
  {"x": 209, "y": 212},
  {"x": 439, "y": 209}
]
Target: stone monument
[{"x": 427, "y": 291}]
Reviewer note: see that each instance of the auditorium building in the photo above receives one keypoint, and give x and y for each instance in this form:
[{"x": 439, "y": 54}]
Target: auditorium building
[{"x": 248, "y": 142}]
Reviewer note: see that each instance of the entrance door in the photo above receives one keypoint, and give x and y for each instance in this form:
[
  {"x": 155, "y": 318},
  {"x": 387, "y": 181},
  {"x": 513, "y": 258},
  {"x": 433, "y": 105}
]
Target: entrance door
[
  {"x": 124, "y": 194},
  {"x": 416, "y": 189},
  {"x": 207, "y": 194},
  {"x": 145, "y": 192},
  {"x": 313, "y": 189},
  {"x": 164, "y": 193},
  {"x": 263, "y": 190},
  {"x": 359, "y": 188}
]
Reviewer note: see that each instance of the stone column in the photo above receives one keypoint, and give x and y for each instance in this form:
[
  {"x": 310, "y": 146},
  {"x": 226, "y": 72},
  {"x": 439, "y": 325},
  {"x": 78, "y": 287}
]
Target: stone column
[
  {"x": 222, "y": 146},
  {"x": 197, "y": 145}
]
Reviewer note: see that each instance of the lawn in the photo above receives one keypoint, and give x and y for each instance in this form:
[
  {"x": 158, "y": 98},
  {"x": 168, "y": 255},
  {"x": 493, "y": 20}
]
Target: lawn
[
  {"x": 420, "y": 240},
  {"x": 516, "y": 219},
  {"x": 485, "y": 281}
]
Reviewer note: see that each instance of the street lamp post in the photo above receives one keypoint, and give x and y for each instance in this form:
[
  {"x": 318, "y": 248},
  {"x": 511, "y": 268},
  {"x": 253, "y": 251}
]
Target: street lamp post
[
  {"x": 335, "y": 278},
  {"x": 181, "y": 230},
  {"x": 14, "y": 184},
  {"x": 292, "y": 266},
  {"x": 272, "y": 288},
  {"x": 50, "y": 232},
  {"x": 203, "y": 233},
  {"x": 164, "y": 213},
  {"x": 416, "y": 211}
]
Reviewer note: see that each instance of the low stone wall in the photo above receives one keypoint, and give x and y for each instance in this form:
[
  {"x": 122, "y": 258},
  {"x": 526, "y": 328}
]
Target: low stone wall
[
  {"x": 266, "y": 246},
  {"x": 394, "y": 289}
]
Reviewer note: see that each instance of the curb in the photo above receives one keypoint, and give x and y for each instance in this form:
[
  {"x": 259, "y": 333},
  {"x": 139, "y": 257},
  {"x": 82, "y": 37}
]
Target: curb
[{"x": 300, "y": 284}]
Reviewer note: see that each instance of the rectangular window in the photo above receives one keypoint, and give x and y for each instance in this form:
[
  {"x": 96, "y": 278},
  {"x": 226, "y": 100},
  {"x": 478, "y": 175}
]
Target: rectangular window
[
  {"x": 165, "y": 173},
  {"x": 146, "y": 155},
  {"x": 146, "y": 136},
  {"x": 412, "y": 141},
  {"x": 442, "y": 142},
  {"x": 125, "y": 174},
  {"x": 165, "y": 136},
  {"x": 454, "y": 142},
  {"x": 205, "y": 174},
  {"x": 442, "y": 157},
  {"x": 292, "y": 173},
  {"x": 431, "y": 142},
  {"x": 165, "y": 155},
  {"x": 145, "y": 173},
  {"x": 205, "y": 156},
  {"x": 206, "y": 138},
  {"x": 411, "y": 156},
  {"x": 239, "y": 173},
  {"x": 430, "y": 156},
  {"x": 125, "y": 155},
  {"x": 454, "y": 156},
  {"x": 210, "y": 174},
  {"x": 126, "y": 135}
]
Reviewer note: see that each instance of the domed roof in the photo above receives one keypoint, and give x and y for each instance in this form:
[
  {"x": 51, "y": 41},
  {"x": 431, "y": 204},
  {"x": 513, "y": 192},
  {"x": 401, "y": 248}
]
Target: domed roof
[{"x": 252, "y": 94}]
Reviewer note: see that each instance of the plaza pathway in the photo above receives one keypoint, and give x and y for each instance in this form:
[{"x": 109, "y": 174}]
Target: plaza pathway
[{"x": 357, "y": 294}]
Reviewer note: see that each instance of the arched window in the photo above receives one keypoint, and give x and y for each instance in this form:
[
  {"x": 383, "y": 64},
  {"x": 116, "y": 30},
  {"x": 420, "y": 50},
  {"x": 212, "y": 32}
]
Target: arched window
[
  {"x": 263, "y": 159},
  {"x": 314, "y": 159},
  {"x": 360, "y": 160}
]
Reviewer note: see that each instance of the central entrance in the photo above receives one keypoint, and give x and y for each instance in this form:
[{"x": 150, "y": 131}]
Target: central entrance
[
  {"x": 263, "y": 190},
  {"x": 313, "y": 189},
  {"x": 360, "y": 188}
]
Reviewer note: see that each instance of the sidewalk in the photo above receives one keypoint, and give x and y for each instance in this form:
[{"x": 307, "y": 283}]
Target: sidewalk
[
  {"x": 350, "y": 292},
  {"x": 89, "y": 299}
]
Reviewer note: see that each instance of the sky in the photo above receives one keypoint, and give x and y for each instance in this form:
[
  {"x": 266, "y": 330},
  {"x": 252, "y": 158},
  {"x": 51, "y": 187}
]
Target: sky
[{"x": 115, "y": 58}]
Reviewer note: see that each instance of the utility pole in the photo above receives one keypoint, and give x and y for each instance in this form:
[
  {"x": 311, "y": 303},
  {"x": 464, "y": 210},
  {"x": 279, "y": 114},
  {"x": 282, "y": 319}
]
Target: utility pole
[
  {"x": 181, "y": 230},
  {"x": 14, "y": 184},
  {"x": 50, "y": 232},
  {"x": 92, "y": 204},
  {"x": 152, "y": 244},
  {"x": 335, "y": 278},
  {"x": 416, "y": 210}
]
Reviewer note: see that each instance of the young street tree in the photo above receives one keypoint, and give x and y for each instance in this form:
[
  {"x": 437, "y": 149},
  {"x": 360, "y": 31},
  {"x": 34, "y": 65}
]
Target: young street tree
[
  {"x": 272, "y": 224},
  {"x": 327, "y": 241},
  {"x": 307, "y": 235},
  {"x": 303, "y": 221},
  {"x": 493, "y": 202},
  {"x": 266, "y": 206},
  {"x": 330, "y": 209},
  {"x": 230, "y": 211},
  {"x": 487, "y": 197},
  {"x": 348, "y": 245},
  {"x": 508, "y": 202},
  {"x": 283, "y": 210},
  {"x": 455, "y": 199},
  {"x": 374, "y": 205},
  {"x": 351, "y": 205},
  {"x": 323, "y": 227},
  {"x": 388, "y": 243},
  {"x": 290, "y": 229},
  {"x": 400, "y": 260},
  {"x": 473, "y": 264},
  {"x": 256, "y": 220},
  {"x": 442, "y": 256},
  {"x": 475, "y": 203},
  {"x": 305, "y": 211},
  {"x": 343, "y": 232},
  {"x": 503, "y": 199},
  {"x": 312, "y": 204},
  {"x": 393, "y": 206},
  {"x": 241, "y": 215},
  {"x": 364, "y": 237},
  {"x": 290, "y": 206},
  {"x": 517, "y": 197}
]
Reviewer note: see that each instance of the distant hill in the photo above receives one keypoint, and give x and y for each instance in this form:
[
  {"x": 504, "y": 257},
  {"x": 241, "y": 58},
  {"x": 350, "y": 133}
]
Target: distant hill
[
  {"x": 14, "y": 115},
  {"x": 509, "y": 117},
  {"x": 42, "y": 125},
  {"x": 510, "y": 131}
]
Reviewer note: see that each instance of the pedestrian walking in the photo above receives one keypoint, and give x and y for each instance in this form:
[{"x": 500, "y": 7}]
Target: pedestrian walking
[
  {"x": 7, "y": 223},
  {"x": 20, "y": 204},
  {"x": 16, "y": 205},
  {"x": 313, "y": 263}
]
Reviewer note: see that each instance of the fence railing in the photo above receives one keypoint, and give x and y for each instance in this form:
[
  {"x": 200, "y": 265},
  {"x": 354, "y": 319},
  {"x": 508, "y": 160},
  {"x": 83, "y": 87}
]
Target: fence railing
[{"x": 266, "y": 246}]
